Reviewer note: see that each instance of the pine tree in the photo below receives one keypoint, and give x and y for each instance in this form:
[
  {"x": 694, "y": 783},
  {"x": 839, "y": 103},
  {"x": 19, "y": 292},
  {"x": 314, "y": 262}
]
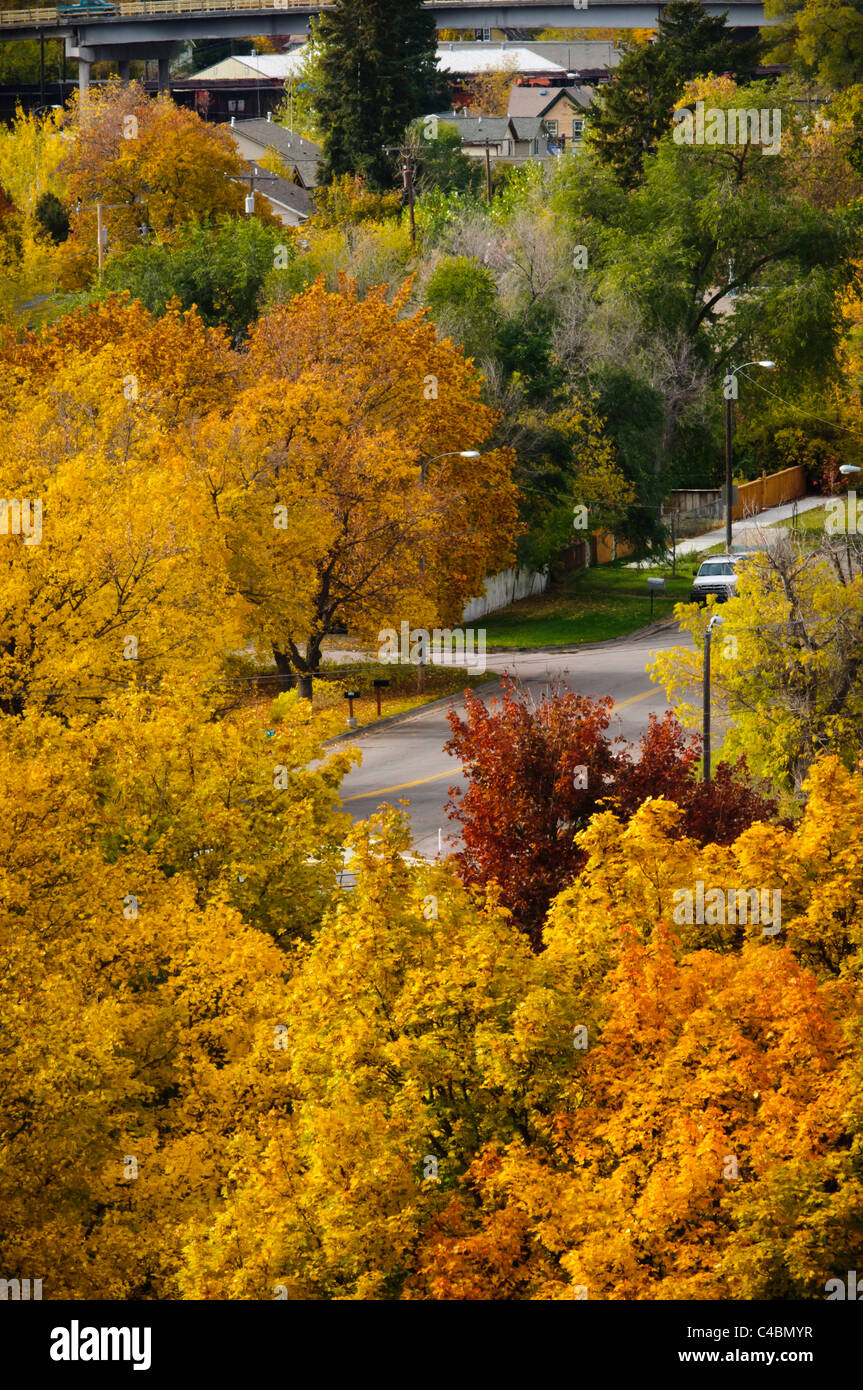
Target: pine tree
[
  {"x": 637, "y": 104},
  {"x": 378, "y": 71}
]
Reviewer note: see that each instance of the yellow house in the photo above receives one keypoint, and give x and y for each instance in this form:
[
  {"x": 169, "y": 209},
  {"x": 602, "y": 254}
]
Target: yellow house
[{"x": 562, "y": 110}]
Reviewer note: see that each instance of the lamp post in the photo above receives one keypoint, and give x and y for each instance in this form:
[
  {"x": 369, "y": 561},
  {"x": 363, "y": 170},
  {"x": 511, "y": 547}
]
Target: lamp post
[
  {"x": 730, "y": 397},
  {"x": 716, "y": 620},
  {"x": 450, "y": 454},
  {"x": 848, "y": 470}
]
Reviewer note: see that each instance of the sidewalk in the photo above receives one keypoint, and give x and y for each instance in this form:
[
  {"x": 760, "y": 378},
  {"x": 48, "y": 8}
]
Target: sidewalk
[{"x": 696, "y": 544}]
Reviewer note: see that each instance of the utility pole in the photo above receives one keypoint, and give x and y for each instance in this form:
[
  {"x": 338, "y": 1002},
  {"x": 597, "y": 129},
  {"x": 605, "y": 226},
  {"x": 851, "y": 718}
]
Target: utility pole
[
  {"x": 705, "y": 724},
  {"x": 41, "y": 67},
  {"x": 100, "y": 239},
  {"x": 487, "y": 170},
  {"x": 728, "y": 424},
  {"x": 406, "y": 154},
  {"x": 408, "y": 174}
]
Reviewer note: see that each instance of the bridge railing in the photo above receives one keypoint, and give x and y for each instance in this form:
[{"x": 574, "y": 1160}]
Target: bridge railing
[
  {"x": 70, "y": 12},
  {"x": 142, "y": 7}
]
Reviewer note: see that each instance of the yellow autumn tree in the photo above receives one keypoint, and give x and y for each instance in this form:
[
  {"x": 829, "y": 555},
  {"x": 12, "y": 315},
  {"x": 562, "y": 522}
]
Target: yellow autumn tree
[
  {"x": 786, "y": 664},
  {"x": 325, "y": 479},
  {"x": 110, "y": 569},
  {"x": 663, "y": 1104},
  {"x": 150, "y": 865},
  {"x": 152, "y": 165}
]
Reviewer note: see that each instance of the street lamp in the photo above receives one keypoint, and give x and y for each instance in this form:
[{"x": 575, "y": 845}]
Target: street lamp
[
  {"x": 450, "y": 454},
  {"x": 730, "y": 395},
  {"x": 849, "y": 469},
  {"x": 715, "y": 621}
]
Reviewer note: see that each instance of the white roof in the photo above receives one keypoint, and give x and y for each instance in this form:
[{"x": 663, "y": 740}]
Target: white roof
[
  {"x": 274, "y": 65},
  {"x": 483, "y": 57},
  {"x": 457, "y": 58}
]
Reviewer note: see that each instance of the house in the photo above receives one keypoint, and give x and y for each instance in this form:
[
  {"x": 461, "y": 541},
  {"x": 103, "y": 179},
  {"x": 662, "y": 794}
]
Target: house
[
  {"x": 509, "y": 139},
  {"x": 289, "y": 202},
  {"x": 255, "y": 139},
  {"x": 292, "y": 204},
  {"x": 479, "y": 132},
  {"x": 255, "y": 67},
  {"x": 561, "y": 110}
]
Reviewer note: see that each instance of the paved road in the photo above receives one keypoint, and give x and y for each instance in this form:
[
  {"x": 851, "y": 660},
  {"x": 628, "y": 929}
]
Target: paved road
[{"x": 407, "y": 760}]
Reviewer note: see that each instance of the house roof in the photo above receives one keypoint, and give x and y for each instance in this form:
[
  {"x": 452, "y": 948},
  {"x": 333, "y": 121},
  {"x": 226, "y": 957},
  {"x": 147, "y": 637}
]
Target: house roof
[
  {"x": 468, "y": 58},
  {"x": 475, "y": 130},
  {"x": 526, "y": 127},
  {"x": 282, "y": 191},
  {"x": 303, "y": 154},
  {"x": 269, "y": 65},
  {"x": 535, "y": 101},
  {"x": 287, "y": 195}
]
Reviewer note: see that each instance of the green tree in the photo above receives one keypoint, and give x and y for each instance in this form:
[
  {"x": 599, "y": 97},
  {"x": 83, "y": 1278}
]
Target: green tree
[
  {"x": 636, "y": 106},
  {"x": 440, "y": 161},
  {"x": 821, "y": 39},
  {"x": 220, "y": 269},
  {"x": 463, "y": 298},
  {"x": 709, "y": 222},
  {"x": 378, "y": 71},
  {"x": 52, "y": 217}
]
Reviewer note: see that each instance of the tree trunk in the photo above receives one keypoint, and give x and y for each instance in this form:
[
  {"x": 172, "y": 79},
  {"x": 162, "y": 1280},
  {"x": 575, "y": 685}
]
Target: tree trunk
[{"x": 285, "y": 669}]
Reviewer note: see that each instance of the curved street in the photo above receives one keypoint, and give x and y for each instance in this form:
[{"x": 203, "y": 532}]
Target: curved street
[{"x": 405, "y": 760}]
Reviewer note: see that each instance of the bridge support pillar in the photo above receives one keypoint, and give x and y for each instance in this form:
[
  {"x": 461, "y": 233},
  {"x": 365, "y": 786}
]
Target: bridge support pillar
[
  {"x": 83, "y": 78},
  {"x": 164, "y": 74}
]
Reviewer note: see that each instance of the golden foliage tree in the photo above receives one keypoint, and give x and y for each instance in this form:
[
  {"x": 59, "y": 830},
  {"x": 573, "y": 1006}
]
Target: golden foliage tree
[
  {"x": 152, "y": 165},
  {"x": 654, "y": 1107},
  {"x": 119, "y": 576},
  {"x": 316, "y": 475},
  {"x": 150, "y": 865}
]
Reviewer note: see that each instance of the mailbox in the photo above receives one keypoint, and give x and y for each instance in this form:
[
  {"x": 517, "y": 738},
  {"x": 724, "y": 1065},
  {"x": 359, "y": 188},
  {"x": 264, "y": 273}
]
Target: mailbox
[
  {"x": 379, "y": 686},
  {"x": 350, "y": 696},
  {"x": 654, "y": 586}
]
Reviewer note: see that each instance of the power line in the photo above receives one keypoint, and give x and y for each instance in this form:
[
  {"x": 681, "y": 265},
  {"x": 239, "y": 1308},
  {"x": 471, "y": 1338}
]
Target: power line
[{"x": 831, "y": 423}]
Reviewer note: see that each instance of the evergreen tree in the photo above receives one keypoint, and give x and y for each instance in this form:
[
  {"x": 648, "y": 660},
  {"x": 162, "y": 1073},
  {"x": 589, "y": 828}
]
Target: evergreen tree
[
  {"x": 637, "y": 104},
  {"x": 378, "y": 71},
  {"x": 52, "y": 217}
]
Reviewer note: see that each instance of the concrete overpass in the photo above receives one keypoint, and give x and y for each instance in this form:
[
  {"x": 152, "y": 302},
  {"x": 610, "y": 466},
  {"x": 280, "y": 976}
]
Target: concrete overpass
[{"x": 97, "y": 30}]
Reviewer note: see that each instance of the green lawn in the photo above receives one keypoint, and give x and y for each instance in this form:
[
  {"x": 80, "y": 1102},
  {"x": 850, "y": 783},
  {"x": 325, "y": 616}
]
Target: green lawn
[
  {"x": 588, "y": 606},
  {"x": 814, "y": 520}
]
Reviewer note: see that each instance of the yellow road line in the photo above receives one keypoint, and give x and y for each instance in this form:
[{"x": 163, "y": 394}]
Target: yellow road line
[
  {"x": 622, "y": 704},
  {"x": 402, "y": 785},
  {"x": 438, "y": 776}
]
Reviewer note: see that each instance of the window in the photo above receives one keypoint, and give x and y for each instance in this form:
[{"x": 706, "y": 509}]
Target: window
[
  {"x": 550, "y": 127},
  {"x": 483, "y": 35},
  {"x": 578, "y": 128},
  {"x": 715, "y": 567}
]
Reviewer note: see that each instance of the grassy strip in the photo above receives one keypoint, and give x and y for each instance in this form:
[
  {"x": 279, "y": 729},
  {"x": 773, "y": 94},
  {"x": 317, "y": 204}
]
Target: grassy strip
[
  {"x": 812, "y": 521},
  {"x": 591, "y": 605},
  {"x": 329, "y": 705},
  {"x": 329, "y": 701}
]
